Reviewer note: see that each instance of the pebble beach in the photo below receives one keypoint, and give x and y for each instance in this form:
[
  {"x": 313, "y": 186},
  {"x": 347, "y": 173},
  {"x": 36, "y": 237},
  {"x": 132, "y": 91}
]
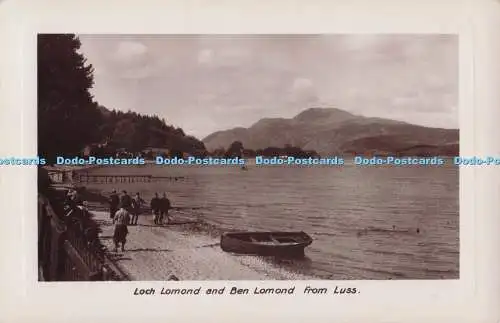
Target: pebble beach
[{"x": 159, "y": 253}]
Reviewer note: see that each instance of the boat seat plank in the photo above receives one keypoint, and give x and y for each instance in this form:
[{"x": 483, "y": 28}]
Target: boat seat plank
[{"x": 273, "y": 239}]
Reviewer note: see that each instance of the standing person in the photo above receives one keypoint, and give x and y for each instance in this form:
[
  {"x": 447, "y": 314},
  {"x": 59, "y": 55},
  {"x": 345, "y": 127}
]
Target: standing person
[
  {"x": 126, "y": 201},
  {"x": 121, "y": 220},
  {"x": 155, "y": 208},
  {"x": 72, "y": 200},
  {"x": 164, "y": 207},
  {"x": 114, "y": 201},
  {"x": 137, "y": 203},
  {"x": 69, "y": 200},
  {"x": 70, "y": 206},
  {"x": 73, "y": 196}
]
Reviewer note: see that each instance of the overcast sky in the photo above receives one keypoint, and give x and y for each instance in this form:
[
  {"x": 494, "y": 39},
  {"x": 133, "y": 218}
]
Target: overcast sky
[{"x": 209, "y": 83}]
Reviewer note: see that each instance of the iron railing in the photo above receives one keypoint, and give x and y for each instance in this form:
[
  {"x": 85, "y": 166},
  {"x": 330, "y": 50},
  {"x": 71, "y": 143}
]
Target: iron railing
[{"x": 69, "y": 248}]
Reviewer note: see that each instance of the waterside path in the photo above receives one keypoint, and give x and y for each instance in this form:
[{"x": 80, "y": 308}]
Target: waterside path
[{"x": 155, "y": 253}]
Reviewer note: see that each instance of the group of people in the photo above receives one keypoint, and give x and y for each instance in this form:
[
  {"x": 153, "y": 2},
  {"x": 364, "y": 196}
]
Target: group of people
[
  {"x": 124, "y": 210},
  {"x": 159, "y": 208}
]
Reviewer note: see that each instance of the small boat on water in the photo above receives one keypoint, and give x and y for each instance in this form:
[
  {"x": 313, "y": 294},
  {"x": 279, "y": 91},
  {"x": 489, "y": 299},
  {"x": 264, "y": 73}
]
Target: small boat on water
[{"x": 285, "y": 244}]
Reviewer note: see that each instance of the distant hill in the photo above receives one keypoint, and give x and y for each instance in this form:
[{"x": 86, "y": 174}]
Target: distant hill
[
  {"x": 104, "y": 111},
  {"x": 334, "y": 131}
]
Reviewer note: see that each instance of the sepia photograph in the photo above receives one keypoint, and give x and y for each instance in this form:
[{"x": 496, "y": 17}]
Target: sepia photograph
[{"x": 196, "y": 157}]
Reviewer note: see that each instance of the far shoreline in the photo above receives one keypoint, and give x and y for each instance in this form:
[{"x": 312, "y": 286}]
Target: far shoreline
[{"x": 227, "y": 161}]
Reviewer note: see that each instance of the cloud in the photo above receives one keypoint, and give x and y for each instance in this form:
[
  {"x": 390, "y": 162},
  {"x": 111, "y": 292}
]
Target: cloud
[
  {"x": 422, "y": 102},
  {"x": 152, "y": 69},
  {"x": 360, "y": 42},
  {"x": 127, "y": 51},
  {"x": 302, "y": 84},
  {"x": 223, "y": 57},
  {"x": 138, "y": 73},
  {"x": 303, "y": 92}
]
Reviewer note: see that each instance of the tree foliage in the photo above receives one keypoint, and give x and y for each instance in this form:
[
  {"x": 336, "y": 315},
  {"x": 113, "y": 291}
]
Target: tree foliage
[
  {"x": 236, "y": 149},
  {"x": 135, "y": 132},
  {"x": 67, "y": 116}
]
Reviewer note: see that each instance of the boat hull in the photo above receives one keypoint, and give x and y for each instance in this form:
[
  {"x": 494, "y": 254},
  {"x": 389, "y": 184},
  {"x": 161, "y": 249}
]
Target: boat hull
[{"x": 279, "y": 244}]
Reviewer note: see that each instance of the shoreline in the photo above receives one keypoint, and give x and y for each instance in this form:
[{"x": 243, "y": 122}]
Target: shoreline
[
  {"x": 66, "y": 168},
  {"x": 186, "y": 249},
  {"x": 177, "y": 251}
]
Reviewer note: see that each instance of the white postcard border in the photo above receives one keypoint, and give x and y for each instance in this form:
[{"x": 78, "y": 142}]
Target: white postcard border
[{"x": 454, "y": 300}]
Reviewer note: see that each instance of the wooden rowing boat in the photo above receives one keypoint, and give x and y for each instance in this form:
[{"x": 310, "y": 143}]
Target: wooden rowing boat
[{"x": 286, "y": 244}]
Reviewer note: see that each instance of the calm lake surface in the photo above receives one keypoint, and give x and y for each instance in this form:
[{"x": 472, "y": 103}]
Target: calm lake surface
[{"x": 349, "y": 211}]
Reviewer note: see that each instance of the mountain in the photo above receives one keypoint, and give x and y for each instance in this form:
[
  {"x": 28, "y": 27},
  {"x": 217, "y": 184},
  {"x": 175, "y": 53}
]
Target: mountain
[{"x": 334, "y": 131}]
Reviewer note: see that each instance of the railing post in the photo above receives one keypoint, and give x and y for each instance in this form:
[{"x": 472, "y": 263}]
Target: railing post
[
  {"x": 96, "y": 276},
  {"x": 63, "y": 245},
  {"x": 56, "y": 246},
  {"x": 42, "y": 236}
]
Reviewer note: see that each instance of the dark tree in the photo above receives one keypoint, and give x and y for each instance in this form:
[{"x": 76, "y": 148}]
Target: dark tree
[
  {"x": 249, "y": 153},
  {"x": 220, "y": 152},
  {"x": 235, "y": 150},
  {"x": 68, "y": 118},
  {"x": 272, "y": 152}
]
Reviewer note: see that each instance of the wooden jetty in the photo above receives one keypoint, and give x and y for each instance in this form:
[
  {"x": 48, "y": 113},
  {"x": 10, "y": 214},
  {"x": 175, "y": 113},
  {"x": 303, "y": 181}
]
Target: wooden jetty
[
  {"x": 112, "y": 178},
  {"x": 61, "y": 176},
  {"x": 121, "y": 178}
]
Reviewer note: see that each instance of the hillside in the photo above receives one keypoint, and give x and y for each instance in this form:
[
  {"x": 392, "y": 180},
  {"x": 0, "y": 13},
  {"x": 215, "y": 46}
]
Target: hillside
[
  {"x": 334, "y": 131},
  {"x": 135, "y": 132}
]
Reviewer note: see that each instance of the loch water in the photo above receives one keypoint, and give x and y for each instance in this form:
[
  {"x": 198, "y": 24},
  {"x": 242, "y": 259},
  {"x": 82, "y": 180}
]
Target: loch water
[{"x": 367, "y": 222}]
